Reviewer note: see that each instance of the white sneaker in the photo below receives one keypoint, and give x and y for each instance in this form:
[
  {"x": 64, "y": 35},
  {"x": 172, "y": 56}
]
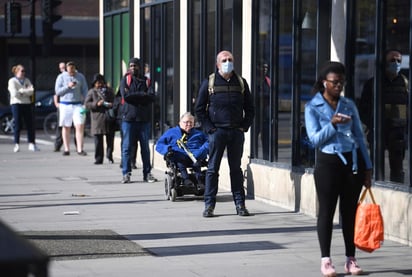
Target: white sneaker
[
  {"x": 33, "y": 147},
  {"x": 16, "y": 148}
]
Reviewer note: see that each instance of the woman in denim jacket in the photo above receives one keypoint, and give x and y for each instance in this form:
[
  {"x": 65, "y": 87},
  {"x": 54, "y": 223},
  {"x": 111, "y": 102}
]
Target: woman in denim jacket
[{"x": 342, "y": 164}]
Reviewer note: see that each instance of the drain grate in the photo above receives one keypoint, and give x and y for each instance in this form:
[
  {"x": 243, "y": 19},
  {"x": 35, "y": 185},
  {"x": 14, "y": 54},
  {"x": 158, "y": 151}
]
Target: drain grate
[{"x": 83, "y": 244}]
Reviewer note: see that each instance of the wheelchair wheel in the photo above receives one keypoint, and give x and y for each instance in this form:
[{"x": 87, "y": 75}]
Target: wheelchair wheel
[
  {"x": 168, "y": 186},
  {"x": 7, "y": 124}
]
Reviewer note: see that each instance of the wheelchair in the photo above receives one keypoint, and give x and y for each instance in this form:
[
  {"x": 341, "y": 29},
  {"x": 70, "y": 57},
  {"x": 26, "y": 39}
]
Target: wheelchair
[{"x": 174, "y": 183}]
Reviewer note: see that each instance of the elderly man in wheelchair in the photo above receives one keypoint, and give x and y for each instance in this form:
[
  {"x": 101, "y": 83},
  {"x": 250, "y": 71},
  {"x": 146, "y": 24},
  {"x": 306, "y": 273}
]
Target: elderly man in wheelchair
[{"x": 184, "y": 147}]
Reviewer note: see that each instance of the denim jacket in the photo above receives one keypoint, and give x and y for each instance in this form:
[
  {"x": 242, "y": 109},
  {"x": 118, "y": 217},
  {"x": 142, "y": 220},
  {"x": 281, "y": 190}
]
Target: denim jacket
[{"x": 348, "y": 137}]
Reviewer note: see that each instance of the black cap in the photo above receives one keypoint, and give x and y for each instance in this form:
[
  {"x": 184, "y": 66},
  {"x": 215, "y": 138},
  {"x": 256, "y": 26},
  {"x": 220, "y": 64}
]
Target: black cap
[
  {"x": 98, "y": 77},
  {"x": 134, "y": 61}
]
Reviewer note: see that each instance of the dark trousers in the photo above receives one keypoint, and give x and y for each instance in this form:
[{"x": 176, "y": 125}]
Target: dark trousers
[
  {"x": 98, "y": 145},
  {"x": 335, "y": 180},
  {"x": 232, "y": 140},
  {"x": 23, "y": 112},
  {"x": 58, "y": 142},
  {"x": 133, "y": 152},
  {"x": 396, "y": 145},
  {"x": 182, "y": 162}
]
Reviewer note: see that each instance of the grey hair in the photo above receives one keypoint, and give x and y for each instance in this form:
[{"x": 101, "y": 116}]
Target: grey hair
[{"x": 187, "y": 114}]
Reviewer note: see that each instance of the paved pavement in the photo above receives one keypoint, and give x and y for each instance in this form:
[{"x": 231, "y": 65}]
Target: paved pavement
[{"x": 47, "y": 193}]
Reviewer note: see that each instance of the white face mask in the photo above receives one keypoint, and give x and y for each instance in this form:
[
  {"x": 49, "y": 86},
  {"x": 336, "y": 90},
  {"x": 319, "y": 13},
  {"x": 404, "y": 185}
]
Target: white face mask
[{"x": 227, "y": 67}]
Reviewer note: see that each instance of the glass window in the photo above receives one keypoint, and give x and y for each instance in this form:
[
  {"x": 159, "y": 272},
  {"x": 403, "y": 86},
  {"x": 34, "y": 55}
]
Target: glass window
[
  {"x": 210, "y": 39},
  {"x": 273, "y": 141},
  {"x": 308, "y": 75},
  {"x": 226, "y": 26},
  {"x": 113, "y": 5},
  {"x": 262, "y": 87},
  {"x": 284, "y": 83},
  {"x": 194, "y": 69},
  {"x": 157, "y": 46},
  {"x": 169, "y": 66},
  {"x": 396, "y": 111},
  {"x": 394, "y": 87}
]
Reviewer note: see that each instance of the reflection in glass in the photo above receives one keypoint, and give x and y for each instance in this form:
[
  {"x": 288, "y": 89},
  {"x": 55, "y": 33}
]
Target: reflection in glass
[{"x": 395, "y": 116}]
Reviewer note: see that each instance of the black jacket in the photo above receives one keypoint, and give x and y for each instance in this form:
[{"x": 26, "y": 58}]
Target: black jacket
[
  {"x": 137, "y": 98},
  {"x": 225, "y": 109}
]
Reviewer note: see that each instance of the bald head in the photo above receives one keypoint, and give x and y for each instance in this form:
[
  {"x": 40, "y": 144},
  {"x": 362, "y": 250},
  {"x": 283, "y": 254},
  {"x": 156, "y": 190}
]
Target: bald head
[{"x": 224, "y": 63}]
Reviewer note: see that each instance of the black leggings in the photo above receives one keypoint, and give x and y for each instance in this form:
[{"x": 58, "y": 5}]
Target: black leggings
[{"x": 333, "y": 179}]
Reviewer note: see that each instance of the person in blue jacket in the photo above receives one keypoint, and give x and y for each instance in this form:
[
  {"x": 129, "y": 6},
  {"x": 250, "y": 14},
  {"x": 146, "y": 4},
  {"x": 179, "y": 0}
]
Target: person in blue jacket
[
  {"x": 342, "y": 162},
  {"x": 195, "y": 141}
]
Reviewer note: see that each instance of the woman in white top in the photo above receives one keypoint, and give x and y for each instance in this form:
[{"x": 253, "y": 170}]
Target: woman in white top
[{"x": 21, "y": 101}]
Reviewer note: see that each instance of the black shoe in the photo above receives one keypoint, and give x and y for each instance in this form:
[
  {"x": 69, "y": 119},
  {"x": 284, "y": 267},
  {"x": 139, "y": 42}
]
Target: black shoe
[
  {"x": 208, "y": 212},
  {"x": 134, "y": 166},
  {"x": 242, "y": 211},
  {"x": 82, "y": 153},
  {"x": 97, "y": 162},
  {"x": 56, "y": 150},
  {"x": 110, "y": 160},
  {"x": 66, "y": 153}
]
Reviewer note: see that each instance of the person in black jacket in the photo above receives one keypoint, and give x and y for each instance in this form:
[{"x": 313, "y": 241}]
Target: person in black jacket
[
  {"x": 137, "y": 98},
  {"x": 225, "y": 109},
  {"x": 395, "y": 101}
]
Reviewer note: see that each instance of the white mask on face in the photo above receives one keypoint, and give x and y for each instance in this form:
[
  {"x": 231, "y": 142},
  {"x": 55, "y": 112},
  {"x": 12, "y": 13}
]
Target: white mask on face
[{"x": 227, "y": 67}]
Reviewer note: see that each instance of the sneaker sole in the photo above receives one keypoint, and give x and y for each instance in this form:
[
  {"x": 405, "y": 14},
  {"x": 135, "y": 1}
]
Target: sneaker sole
[{"x": 354, "y": 273}]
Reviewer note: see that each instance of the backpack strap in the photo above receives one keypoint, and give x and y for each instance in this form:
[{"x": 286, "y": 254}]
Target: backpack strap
[
  {"x": 211, "y": 84},
  {"x": 212, "y": 89},
  {"x": 405, "y": 80},
  {"x": 128, "y": 82}
]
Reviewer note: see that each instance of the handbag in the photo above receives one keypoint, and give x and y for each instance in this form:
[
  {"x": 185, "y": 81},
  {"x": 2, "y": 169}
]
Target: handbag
[
  {"x": 368, "y": 224},
  {"x": 110, "y": 115}
]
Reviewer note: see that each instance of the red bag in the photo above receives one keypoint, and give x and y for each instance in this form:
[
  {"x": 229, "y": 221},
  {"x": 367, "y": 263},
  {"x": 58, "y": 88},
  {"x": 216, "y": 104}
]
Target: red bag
[{"x": 368, "y": 224}]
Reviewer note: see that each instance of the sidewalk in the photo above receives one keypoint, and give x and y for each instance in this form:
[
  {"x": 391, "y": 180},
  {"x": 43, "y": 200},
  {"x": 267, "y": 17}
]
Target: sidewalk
[{"x": 81, "y": 213}]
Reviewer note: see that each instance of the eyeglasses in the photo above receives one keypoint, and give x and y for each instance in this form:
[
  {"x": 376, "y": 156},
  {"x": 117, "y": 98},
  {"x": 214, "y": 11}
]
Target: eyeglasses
[
  {"x": 188, "y": 122},
  {"x": 225, "y": 60},
  {"x": 337, "y": 82}
]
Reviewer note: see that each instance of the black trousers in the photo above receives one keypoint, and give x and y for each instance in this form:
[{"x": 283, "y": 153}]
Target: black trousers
[
  {"x": 333, "y": 180},
  {"x": 99, "y": 151}
]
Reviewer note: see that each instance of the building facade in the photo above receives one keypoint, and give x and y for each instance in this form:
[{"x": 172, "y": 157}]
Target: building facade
[
  {"x": 78, "y": 41},
  {"x": 278, "y": 47}
]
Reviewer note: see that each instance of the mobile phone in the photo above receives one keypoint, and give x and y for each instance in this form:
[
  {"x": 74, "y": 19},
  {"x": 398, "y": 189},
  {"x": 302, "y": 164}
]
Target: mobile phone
[{"x": 344, "y": 115}]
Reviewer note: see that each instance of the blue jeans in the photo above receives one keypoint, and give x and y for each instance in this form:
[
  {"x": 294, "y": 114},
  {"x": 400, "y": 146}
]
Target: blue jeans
[
  {"x": 135, "y": 131},
  {"x": 232, "y": 140},
  {"x": 23, "y": 112}
]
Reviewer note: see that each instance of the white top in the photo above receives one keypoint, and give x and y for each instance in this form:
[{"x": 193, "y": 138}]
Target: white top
[{"x": 21, "y": 91}]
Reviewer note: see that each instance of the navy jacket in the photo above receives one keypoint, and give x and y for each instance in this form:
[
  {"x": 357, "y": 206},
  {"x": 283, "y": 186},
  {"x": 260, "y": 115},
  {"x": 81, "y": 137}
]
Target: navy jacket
[
  {"x": 137, "y": 98},
  {"x": 225, "y": 109}
]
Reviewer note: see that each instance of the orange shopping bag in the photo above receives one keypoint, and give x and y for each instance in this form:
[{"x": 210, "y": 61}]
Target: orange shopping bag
[{"x": 368, "y": 224}]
